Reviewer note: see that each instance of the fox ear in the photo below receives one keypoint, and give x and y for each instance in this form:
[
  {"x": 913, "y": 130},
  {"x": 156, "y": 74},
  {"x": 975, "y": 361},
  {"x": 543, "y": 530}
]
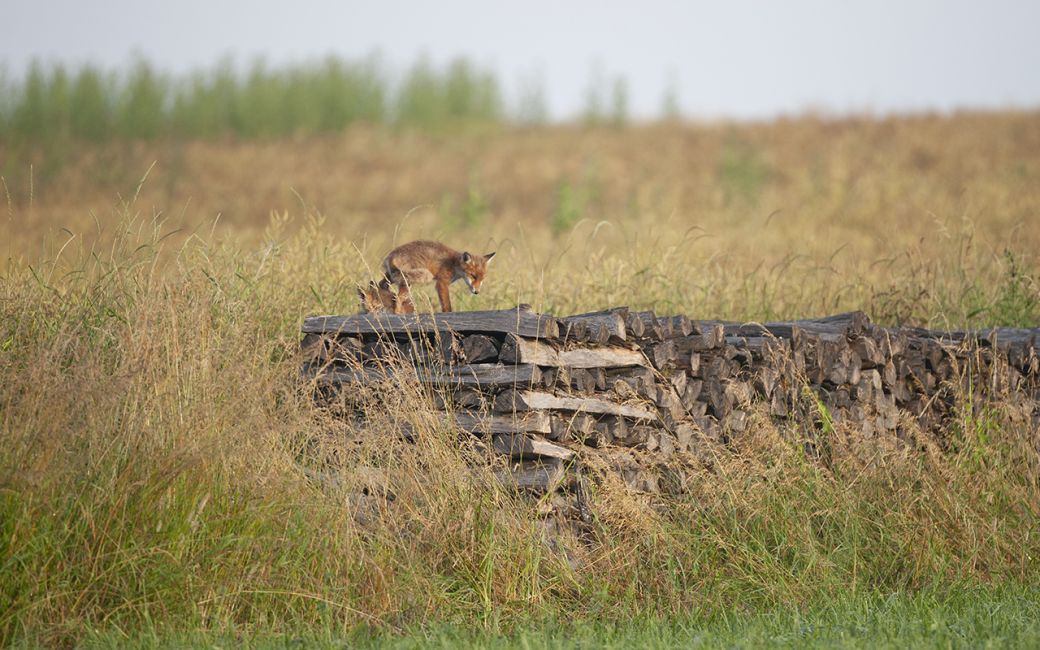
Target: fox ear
[
  {"x": 487, "y": 258},
  {"x": 466, "y": 258}
]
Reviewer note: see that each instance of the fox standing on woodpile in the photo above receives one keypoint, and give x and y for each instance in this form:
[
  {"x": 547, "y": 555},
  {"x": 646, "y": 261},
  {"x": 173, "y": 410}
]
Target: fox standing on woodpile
[{"x": 420, "y": 262}]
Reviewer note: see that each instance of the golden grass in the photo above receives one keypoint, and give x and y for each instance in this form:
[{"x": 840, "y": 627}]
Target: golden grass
[{"x": 897, "y": 216}]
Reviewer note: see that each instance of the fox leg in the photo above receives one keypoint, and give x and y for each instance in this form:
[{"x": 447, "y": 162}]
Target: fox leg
[{"x": 444, "y": 295}]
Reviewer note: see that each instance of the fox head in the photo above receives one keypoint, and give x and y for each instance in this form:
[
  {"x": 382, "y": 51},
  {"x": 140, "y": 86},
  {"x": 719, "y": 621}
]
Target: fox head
[{"x": 474, "y": 268}]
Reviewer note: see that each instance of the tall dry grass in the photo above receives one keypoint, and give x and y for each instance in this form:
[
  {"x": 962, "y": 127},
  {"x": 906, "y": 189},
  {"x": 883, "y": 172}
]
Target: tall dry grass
[{"x": 160, "y": 454}]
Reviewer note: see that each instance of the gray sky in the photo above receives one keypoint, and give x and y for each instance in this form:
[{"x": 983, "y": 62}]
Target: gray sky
[{"x": 728, "y": 58}]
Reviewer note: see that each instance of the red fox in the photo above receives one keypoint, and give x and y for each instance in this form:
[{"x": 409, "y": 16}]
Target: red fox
[
  {"x": 379, "y": 296},
  {"x": 419, "y": 262}
]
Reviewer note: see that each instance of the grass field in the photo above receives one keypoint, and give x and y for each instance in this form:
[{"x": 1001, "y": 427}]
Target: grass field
[{"x": 153, "y": 428}]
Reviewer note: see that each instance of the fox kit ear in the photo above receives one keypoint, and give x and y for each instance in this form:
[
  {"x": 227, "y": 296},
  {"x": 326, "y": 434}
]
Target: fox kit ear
[
  {"x": 487, "y": 258},
  {"x": 466, "y": 258}
]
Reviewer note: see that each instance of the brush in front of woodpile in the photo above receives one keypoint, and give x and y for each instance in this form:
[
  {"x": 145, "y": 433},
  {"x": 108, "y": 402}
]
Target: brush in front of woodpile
[{"x": 423, "y": 262}]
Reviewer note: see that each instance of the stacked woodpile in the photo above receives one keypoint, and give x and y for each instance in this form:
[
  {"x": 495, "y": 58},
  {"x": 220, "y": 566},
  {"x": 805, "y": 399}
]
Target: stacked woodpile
[{"x": 633, "y": 389}]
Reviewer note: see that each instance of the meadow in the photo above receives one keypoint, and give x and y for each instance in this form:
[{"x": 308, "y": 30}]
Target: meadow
[{"x": 154, "y": 429}]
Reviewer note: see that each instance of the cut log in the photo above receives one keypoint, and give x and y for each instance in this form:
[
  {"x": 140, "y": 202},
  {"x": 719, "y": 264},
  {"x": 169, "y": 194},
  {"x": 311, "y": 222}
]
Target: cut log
[
  {"x": 679, "y": 381},
  {"x": 680, "y": 325},
  {"x": 665, "y": 355},
  {"x": 869, "y": 352},
  {"x": 641, "y": 380},
  {"x": 648, "y": 325},
  {"x": 519, "y": 321},
  {"x": 761, "y": 348},
  {"x": 479, "y": 423},
  {"x": 852, "y": 323},
  {"x": 711, "y": 337},
  {"x": 737, "y": 421},
  {"x": 516, "y": 400},
  {"x": 634, "y": 327},
  {"x": 572, "y": 426},
  {"x": 465, "y": 398},
  {"x": 716, "y": 368},
  {"x": 610, "y": 357},
  {"x": 479, "y": 348},
  {"x": 692, "y": 392},
  {"x": 528, "y": 447},
  {"x": 601, "y": 326},
  {"x": 636, "y": 435},
  {"x": 519, "y": 350},
  {"x": 719, "y": 399},
  {"x": 539, "y": 476},
  {"x": 582, "y": 380},
  {"x": 765, "y": 381},
  {"x": 487, "y": 376}
]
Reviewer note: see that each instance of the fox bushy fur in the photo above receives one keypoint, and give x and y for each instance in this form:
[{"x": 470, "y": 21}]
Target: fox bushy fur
[{"x": 421, "y": 262}]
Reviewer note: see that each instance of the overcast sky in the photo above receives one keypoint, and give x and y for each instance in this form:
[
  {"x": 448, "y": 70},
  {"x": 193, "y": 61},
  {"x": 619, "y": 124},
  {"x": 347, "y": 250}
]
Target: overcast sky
[{"x": 727, "y": 58}]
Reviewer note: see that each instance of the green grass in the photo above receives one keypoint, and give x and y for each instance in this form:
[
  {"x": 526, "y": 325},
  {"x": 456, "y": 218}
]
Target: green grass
[{"x": 1007, "y": 617}]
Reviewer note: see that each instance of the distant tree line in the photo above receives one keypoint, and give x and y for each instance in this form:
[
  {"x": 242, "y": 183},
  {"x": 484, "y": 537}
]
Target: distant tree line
[{"x": 57, "y": 102}]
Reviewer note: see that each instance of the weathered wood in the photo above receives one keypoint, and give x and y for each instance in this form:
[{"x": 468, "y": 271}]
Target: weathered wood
[
  {"x": 665, "y": 355},
  {"x": 519, "y": 321},
  {"x": 418, "y": 351},
  {"x": 680, "y": 325},
  {"x": 716, "y": 368},
  {"x": 537, "y": 475},
  {"x": 602, "y": 326},
  {"x": 692, "y": 392},
  {"x": 761, "y": 348},
  {"x": 520, "y": 350},
  {"x": 641, "y": 380},
  {"x": 678, "y": 381},
  {"x": 869, "y": 352},
  {"x": 649, "y": 327},
  {"x": 572, "y": 426},
  {"x": 737, "y": 421},
  {"x": 481, "y": 423},
  {"x": 634, "y": 327},
  {"x": 611, "y": 357},
  {"x": 517, "y": 400},
  {"x": 479, "y": 348},
  {"x": 486, "y": 376},
  {"x": 463, "y": 398},
  {"x": 765, "y": 381},
  {"x": 851, "y": 323},
  {"x": 528, "y": 447},
  {"x": 705, "y": 374},
  {"x": 326, "y": 348},
  {"x": 582, "y": 380},
  {"x": 612, "y": 429},
  {"x": 711, "y": 337},
  {"x": 517, "y": 350},
  {"x": 719, "y": 400},
  {"x": 670, "y": 407}
]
